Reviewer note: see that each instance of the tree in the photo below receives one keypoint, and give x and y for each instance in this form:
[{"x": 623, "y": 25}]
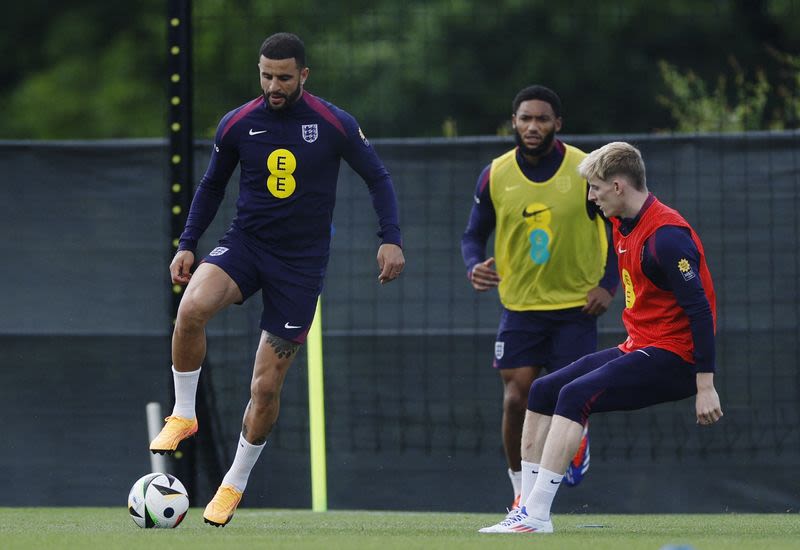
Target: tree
[
  {"x": 416, "y": 68},
  {"x": 87, "y": 70},
  {"x": 736, "y": 103}
]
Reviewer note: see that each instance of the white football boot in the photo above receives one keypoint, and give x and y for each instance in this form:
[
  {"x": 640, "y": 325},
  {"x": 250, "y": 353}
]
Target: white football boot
[
  {"x": 529, "y": 524},
  {"x": 513, "y": 518},
  {"x": 520, "y": 522}
]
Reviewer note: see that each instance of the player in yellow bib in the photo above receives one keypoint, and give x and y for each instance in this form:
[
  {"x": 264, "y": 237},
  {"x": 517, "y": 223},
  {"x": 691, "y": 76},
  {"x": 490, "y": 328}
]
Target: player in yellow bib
[{"x": 552, "y": 264}]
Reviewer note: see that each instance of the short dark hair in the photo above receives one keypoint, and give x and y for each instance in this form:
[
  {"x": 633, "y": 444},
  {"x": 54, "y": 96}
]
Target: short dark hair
[
  {"x": 538, "y": 92},
  {"x": 284, "y": 45}
]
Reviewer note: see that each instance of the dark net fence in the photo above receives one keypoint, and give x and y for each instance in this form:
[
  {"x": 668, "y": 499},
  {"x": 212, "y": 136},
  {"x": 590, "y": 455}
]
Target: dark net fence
[
  {"x": 410, "y": 391},
  {"x": 412, "y": 404}
]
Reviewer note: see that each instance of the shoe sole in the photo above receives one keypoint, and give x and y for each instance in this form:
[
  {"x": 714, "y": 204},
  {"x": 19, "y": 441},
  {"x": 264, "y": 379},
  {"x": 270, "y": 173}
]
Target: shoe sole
[
  {"x": 170, "y": 452},
  {"x": 215, "y": 524}
]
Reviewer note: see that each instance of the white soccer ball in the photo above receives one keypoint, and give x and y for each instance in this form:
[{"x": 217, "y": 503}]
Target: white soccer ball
[{"x": 158, "y": 500}]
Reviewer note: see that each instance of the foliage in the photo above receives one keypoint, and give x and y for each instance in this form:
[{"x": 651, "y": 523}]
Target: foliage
[
  {"x": 90, "y": 69},
  {"x": 737, "y": 104},
  {"x": 786, "y": 113},
  {"x": 696, "y": 109}
]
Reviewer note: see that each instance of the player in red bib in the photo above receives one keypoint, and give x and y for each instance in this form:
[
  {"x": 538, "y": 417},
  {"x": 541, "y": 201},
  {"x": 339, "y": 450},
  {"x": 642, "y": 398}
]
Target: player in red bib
[{"x": 670, "y": 318}]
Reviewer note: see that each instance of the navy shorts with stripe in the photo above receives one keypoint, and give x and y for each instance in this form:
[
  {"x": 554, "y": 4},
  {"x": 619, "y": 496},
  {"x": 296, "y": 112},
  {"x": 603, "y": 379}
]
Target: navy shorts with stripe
[
  {"x": 288, "y": 293},
  {"x": 549, "y": 339},
  {"x": 610, "y": 380}
]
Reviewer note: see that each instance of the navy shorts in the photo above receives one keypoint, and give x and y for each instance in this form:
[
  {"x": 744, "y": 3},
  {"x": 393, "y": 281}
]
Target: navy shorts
[
  {"x": 549, "y": 339},
  {"x": 289, "y": 294},
  {"x": 610, "y": 380}
]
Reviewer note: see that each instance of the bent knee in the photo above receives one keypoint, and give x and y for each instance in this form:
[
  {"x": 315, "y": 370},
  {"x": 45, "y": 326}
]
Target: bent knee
[
  {"x": 576, "y": 392},
  {"x": 543, "y": 388},
  {"x": 515, "y": 398},
  {"x": 543, "y": 396},
  {"x": 192, "y": 312},
  {"x": 575, "y": 402},
  {"x": 263, "y": 394}
]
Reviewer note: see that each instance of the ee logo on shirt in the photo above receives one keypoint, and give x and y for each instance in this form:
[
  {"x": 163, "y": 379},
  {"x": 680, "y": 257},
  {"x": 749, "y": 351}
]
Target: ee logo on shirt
[
  {"x": 630, "y": 295},
  {"x": 281, "y": 164},
  {"x": 537, "y": 218}
]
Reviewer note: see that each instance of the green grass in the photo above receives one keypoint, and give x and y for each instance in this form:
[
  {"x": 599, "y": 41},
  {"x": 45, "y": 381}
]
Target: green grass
[{"x": 103, "y": 528}]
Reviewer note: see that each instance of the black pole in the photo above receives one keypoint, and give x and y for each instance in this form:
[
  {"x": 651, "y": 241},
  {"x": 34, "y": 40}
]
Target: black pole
[{"x": 181, "y": 162}]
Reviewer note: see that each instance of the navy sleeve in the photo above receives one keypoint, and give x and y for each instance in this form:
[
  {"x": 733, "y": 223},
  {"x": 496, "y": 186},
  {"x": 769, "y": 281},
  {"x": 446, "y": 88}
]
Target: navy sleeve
[
  {"x": 610, "y": 279},
  {"x": 678, "y": 259},
  {"x": 211, "y": 190},
  {"x": 481, "y": 223},
  {"x": 362, "y": 158}
]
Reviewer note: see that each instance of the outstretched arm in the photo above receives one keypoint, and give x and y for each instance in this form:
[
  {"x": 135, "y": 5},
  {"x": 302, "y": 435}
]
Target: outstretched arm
[
  {"x": 360, "y": 155},
  {"x": 678, "y": 259},
  {"x": 677, "y": 270},
  {"x": 211, "y": 191}
]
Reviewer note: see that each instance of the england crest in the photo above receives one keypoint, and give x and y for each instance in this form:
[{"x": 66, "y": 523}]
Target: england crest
[
  {"x": 310, "y": 132},
  {"x": 499, "y": 349}
]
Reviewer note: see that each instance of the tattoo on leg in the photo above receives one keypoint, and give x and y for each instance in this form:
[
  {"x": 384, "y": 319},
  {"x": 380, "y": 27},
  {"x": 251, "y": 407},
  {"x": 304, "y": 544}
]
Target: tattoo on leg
[
  {"x": 260, "y": 440},
  {"x": 283, "y": 348},
  {"x": 244, "y": 424}
]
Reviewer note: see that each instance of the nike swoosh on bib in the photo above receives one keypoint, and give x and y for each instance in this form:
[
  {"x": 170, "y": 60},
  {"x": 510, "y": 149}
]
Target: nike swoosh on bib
[{"x": 529, "y": 214}]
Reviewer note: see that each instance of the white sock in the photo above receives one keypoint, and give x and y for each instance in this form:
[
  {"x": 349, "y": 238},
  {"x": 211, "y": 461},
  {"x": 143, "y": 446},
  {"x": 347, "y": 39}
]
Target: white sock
[
  {"x": 246, "y": 456},
  {"x": 529, "y": 473},
  {"x": 544, "y": 490},
  {"x": 185, "y": 390},
  {"x": 516, "y": 481}
]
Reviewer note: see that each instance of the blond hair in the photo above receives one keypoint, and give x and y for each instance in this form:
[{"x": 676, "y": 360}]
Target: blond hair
[{"x": 615, "y": 159}]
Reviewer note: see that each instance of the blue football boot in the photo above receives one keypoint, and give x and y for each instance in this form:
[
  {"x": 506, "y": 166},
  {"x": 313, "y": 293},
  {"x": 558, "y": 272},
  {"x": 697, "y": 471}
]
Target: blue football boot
[{"x": 579, "y": 464}]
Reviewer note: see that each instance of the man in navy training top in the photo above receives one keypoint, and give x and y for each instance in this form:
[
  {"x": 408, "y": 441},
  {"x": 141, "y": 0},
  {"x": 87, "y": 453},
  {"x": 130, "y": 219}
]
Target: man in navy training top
[
  {"x": 555, "y": 273},
  {"x": 669, "y": 316},
  {"x": 288, "y": 144}
]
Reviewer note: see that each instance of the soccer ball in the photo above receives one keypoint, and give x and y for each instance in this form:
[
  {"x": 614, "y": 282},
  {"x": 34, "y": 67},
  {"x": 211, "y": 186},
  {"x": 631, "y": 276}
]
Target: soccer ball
[{"x": 158, "y": 500}]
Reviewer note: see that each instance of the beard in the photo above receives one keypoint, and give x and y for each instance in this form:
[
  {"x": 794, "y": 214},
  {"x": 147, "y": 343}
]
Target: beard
[
  {"x": 539, "y": 150},
  {"x": 289, "y": 99}
]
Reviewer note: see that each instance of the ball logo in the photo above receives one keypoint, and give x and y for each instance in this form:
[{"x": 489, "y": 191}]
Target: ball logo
[
  {"x": 158, "y": 501},
  {"x": 281, "y": 164}
]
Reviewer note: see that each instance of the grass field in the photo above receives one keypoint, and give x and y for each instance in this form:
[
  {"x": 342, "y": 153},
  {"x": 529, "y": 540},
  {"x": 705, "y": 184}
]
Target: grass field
[{"x": 89, "y": 528}]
